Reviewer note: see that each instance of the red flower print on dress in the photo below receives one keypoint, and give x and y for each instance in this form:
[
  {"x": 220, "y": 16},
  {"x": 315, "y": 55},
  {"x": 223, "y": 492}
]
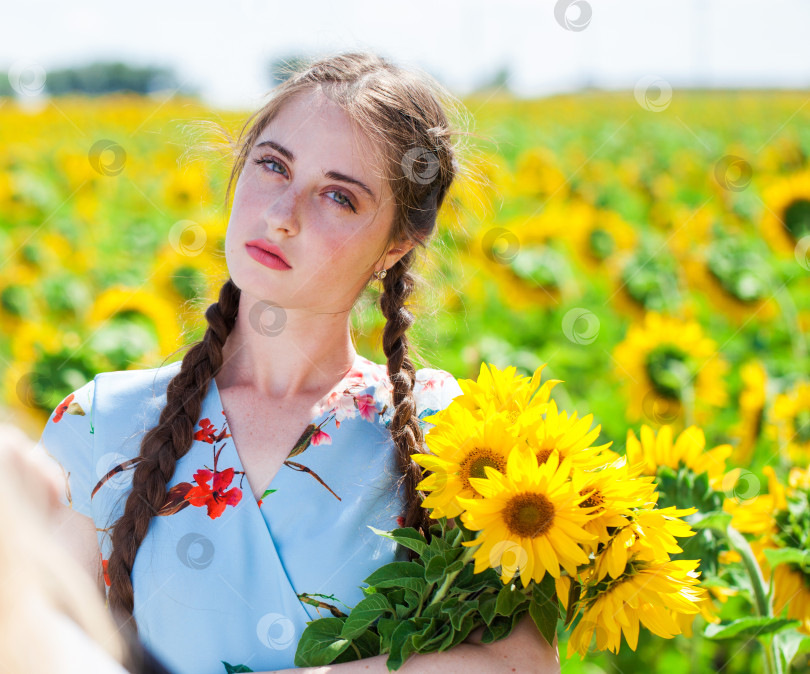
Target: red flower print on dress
[
  {"x": 401, "y": 521},
  {"x": 208, "y": 433},
  {"x": 62, "y": 408},
  {"x": 104, "y": 563},
  {"x": 218, "y": 497}
]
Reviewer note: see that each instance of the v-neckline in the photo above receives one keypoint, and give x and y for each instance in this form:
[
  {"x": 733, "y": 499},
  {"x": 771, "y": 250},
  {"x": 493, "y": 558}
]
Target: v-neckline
[{"x": 237, "y": 459}]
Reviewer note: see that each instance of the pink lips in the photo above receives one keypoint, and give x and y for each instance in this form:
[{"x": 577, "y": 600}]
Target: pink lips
[{"x": 267, "y": 254}]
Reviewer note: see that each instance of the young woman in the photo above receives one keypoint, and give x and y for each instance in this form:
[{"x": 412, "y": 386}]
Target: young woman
[{"x": 233, "y": 491}]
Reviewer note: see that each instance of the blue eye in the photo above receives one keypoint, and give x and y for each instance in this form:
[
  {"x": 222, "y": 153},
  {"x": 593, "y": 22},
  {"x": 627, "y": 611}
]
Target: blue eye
[{"x": 347, "y": 204}]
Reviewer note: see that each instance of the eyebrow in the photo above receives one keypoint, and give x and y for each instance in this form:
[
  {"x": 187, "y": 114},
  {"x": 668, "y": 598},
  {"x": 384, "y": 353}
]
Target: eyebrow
[{"x": 332, "y": 175}]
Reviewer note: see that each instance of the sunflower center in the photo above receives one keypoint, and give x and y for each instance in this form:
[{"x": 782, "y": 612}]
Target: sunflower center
[
  {"x": 546, "y": 447},
  {"x": 474, "y": 463},
  {"x": 528, "y": 514},
  {"x": 595, "y": 499},
  {"x": 667, "y": 370},
  {"x": 601, "y": 243},
  {"x": 796, "y": 218}
]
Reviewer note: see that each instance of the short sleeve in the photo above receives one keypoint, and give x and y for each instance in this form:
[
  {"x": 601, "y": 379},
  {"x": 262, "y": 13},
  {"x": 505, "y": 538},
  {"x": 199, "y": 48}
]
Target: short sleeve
[
  {"x": 67, "y": 441},
  {"x": 434, "y": 391}
]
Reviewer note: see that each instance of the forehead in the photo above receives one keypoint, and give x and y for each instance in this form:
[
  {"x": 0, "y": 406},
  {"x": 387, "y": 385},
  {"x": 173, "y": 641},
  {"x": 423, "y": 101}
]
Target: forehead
[{"x": 320, "y": 133}]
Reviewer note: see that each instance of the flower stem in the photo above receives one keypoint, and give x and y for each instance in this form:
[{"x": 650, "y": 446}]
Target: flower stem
[
  {"x": 773, "y": 663},
  {"x": 448, "y": 580}
]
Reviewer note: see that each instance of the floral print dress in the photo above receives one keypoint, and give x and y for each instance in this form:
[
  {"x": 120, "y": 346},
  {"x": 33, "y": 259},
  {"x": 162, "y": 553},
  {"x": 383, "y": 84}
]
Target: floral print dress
[{"x": 223, "y": 582}]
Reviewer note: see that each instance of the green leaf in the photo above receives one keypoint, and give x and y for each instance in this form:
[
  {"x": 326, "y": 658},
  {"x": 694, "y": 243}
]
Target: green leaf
[
  {"x": 501, "y": 627},
  {"x": 408, "y": 575},
  {"x": 753, "y": 626},
  {"x": 235, "y": 669},
  {"x": 320, "y": 643},
  {"x": 426, "y": 640},
  {"x": 364, "y": 614},
  {"x": 469, "y": 581},
  {"x": 406, "y": 536},
  {"x": 386, "y": 627},
  {"x": 787, "y": 645},
  {"x": 401, "y": 644},
  {"x": 716, "y": 520},
  {"x": 545, "y": 607},
  {"x": 509, "y": 598},
  {"x": 460, "y": 611},
  {"x": 787, "y": 556},
  {"x": 368, "y": 643},
  {"x": 486, "y": 607}
]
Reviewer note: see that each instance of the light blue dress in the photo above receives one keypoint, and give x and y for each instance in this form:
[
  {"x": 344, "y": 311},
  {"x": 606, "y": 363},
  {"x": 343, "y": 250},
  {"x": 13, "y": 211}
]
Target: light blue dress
[{"x": 222, "y": 580}]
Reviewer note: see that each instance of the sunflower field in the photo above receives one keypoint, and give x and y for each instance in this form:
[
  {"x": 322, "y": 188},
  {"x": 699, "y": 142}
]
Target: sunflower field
[{"x": 656, "y": 260}]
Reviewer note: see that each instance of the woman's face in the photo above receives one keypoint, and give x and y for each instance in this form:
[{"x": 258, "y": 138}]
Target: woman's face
[{"x": 298, "y": 191}]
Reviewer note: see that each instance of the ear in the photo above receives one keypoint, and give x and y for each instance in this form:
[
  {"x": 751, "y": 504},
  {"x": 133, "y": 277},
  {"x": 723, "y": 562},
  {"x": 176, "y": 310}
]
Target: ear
[{"x": 397, "y": 251}]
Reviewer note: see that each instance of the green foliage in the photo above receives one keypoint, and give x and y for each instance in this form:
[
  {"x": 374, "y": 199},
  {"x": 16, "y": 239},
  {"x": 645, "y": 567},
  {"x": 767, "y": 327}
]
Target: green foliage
[{"x": 427, "y": 605}]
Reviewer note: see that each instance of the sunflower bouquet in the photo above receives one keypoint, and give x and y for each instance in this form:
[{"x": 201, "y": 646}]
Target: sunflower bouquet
[{"x": 531, "y": 517}]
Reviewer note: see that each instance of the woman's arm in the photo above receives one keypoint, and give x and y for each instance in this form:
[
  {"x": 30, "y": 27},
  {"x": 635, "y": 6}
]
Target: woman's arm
[{"x": 524, "y": 650}]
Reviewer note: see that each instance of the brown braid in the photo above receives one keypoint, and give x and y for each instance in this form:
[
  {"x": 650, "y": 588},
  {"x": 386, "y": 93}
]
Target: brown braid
[
  {"x": 164, "y": 444},
  {"x": 403, "y": 112}
]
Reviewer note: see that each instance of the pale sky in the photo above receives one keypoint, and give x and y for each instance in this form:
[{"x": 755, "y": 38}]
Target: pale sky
[{"x": 223, "y": 47}]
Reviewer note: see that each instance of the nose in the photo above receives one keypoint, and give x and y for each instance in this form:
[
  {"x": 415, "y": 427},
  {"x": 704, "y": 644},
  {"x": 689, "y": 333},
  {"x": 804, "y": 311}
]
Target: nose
[{"x": 282, "y": 211}]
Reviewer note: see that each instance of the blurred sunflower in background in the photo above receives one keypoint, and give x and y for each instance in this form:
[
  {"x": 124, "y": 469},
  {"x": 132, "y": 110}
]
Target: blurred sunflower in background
[
  {"x": 668, "y": 363},
  {"x": 751, "y": 405},
  {"x": 786, "y": 214},
  {"x": 788, "y": 424},
  {"x": 598, "y": 236},
  {"x": 780, "y": 521},
  {"x": 524, "y": 258}
]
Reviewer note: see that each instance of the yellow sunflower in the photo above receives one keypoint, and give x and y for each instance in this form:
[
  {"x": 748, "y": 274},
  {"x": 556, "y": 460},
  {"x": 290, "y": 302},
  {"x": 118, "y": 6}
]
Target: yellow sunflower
[
  {"x": 559, "y": 433},
  {"x": 461, "y": 446},
  {"x": 789, "y": 424},
  {"x": 537, "y": 175},
  {"x": 786, "y": 216},
  {"x": 688, "y": 450},
  {"x": 120, "y": 299},
  {"x": 756, "y": 515},
  {"x": 665, "y": 362},
  {"x": 521, "y": 398},
  {"x": 648, "y": 594},
  {"x": 524, "y": 259},
  {"x": 599, "y": 235},
  {"x": 613, "y": 491},
  {"x": 791, "y": 588},
  {"x": 650, "y": 537},
  {"x": 751, "y": 409},
  {"x": 531, "y": 515},
  {"x": 734, "y": 278}
]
